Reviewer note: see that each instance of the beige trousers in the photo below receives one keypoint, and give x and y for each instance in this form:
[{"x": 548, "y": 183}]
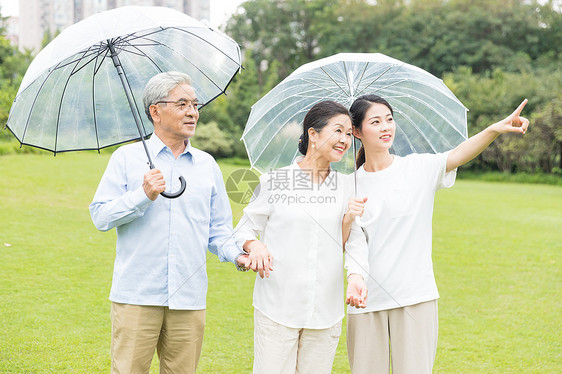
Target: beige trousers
[
  {"x": 138, "y": 330},
  {"x": 407, "y": 336},
  {"x": 284, "y": 350}
]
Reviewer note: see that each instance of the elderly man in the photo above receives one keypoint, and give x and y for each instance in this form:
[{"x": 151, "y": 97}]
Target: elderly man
[{"x": 159, "y": 279}]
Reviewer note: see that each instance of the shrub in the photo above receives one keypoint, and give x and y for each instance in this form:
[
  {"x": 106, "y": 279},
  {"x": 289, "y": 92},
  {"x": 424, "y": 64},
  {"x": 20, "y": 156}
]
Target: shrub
[{"x": 210, "y": 138}]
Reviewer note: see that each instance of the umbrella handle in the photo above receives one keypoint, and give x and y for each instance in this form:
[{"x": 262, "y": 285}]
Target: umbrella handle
[
  {"x": 363, "y": 224},
  {"x": 173, "y": 195},
  {"x": 375, "y": 211}
]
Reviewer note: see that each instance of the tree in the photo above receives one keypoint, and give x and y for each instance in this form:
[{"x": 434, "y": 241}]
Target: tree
[
  {"x": 490, "y": 96},
  {"x": 546, "y": 135},
  {"x": 231, "y": 111},
  {"x": 435, "y": 35},
  {"x": 287, "y": 31},
  {"x": 210, "y": 138},
  {"x": 48, "y": 37},
  {"x": 439, "y": 36},
  {"x": 13, "y": 65}
]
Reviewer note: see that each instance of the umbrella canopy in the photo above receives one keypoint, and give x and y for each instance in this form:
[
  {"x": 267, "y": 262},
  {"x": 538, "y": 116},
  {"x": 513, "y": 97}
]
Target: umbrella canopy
[
  {"x": 428, "y": 116},
  {"x": 84, "y": 90}
]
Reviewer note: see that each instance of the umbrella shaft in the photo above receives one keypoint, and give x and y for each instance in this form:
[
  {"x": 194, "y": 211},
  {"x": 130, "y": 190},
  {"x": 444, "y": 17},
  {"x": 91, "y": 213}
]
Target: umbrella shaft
[
  {"x": 354, "y": 166},
  {"x": 128, "y": 93}
]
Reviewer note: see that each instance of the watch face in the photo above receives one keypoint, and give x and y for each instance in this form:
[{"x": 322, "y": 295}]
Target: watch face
[{"x": 240, "y": 268}]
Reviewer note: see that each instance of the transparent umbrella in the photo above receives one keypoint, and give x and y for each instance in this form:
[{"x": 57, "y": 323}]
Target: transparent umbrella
[
  {"x": 84, "y": 90},
  {"x": 428, "y": 116}
]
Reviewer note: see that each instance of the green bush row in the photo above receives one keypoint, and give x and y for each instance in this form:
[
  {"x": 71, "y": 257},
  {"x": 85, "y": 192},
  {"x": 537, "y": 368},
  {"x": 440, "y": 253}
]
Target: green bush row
[{"x": 534, "y": 178}]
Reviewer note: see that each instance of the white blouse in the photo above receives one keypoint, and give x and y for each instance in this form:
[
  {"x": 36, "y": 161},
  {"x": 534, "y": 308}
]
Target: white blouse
[{"x": 300, "y": 223}]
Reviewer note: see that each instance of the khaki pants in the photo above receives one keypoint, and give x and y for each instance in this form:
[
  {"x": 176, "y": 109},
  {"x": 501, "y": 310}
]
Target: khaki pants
[
  {"x": 138, "y": 330},
  {"x": 408, "y": 335},
  {"x": 283, "y": 350}
]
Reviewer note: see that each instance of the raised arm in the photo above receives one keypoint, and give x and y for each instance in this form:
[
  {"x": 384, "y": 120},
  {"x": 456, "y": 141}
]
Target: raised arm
[{"x": 474, "y": 145}]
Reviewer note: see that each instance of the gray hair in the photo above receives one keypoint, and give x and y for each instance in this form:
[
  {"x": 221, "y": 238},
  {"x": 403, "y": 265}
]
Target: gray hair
[{"x": 159, "y": 87}]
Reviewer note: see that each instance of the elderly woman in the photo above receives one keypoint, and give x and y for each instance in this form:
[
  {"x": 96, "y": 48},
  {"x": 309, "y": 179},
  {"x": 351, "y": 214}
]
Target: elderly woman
[{"x": 298, "y": 212}]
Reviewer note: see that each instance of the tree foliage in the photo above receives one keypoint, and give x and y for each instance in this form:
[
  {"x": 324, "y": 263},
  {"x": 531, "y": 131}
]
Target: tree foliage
[
  {"x": 210, "y": 138},
  {"x": 287, "y": 31},
  {"x": 13, "y": 65},
  {"x": 435, "y": 35},
  {"x": 546, "y": 142},
  {"x": 492, "y": 96}
]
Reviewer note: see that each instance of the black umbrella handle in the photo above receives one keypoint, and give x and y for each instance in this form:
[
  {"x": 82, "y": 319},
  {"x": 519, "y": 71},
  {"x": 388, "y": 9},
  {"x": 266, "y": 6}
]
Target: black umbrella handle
[{"x": 173, "y": 195}]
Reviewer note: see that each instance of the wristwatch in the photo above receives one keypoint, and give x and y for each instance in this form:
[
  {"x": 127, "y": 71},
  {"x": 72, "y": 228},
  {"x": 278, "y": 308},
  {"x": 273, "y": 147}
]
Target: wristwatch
[{"x": 238, "y": 267}]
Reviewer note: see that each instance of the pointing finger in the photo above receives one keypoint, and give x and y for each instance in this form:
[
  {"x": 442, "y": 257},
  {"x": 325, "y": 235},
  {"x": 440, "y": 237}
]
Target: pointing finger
[{"x": 520, "y": 108}]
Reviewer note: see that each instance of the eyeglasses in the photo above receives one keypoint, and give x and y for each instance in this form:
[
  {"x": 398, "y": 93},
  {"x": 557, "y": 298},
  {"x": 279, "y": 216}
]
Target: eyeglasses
[{"x": 182, "y": 105}]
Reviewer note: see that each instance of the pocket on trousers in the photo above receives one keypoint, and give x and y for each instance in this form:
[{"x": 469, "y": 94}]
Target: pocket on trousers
[{"x": 335, "y": 331}]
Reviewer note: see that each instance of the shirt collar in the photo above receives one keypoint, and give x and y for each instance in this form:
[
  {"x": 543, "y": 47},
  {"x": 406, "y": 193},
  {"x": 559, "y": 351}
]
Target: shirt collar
[
  {"x": 299, "y": 159},
  {"x": 155, "y": 146},
  {"x": 188, "y": 149}
]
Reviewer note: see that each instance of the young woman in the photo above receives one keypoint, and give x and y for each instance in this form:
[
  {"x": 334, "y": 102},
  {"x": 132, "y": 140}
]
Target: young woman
[
  {"x": 298, "y": 215},
  {"x": 399, "y": 323}
]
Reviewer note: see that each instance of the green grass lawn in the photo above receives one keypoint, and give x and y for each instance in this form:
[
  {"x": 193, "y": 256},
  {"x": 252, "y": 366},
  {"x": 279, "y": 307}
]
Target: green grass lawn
[{"x": 497, "y": 257}]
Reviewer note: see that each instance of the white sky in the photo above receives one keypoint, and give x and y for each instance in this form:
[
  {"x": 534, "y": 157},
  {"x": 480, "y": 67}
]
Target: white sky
[
  {"x": 9, "y": 7},
  {"x": 220, "y": 9}
]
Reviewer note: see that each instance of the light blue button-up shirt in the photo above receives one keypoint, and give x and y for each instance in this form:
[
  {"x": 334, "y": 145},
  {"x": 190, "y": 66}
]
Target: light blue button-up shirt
[{"x": 162, "y": 244}]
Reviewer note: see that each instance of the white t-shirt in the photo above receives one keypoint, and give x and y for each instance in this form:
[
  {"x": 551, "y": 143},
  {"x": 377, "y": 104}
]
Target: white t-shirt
[
  {"x": 399, "y": 240},
  {"x": 301, "y": 225}
]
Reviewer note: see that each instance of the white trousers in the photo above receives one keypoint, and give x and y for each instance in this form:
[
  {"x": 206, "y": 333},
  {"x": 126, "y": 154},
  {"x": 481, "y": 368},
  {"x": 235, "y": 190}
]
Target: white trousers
[
  {"x": 284, "y": 350},
  {"x": 406, "y": 335}
]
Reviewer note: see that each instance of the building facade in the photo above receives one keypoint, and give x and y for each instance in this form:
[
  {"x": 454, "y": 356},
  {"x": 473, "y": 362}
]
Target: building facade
[
  {"x": 40, "y": 18},
  {"x": 12, "y": 30}
]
